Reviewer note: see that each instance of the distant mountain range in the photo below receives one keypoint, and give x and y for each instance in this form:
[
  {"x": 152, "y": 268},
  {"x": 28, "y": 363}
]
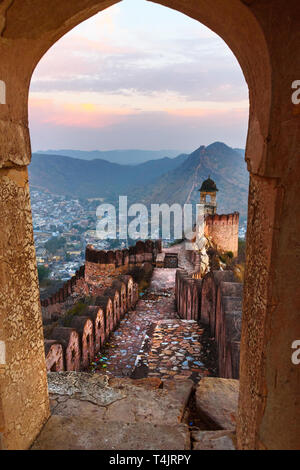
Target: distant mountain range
[
  {"x": 166, "y": 180},
  {"x": 123, "y": 157}
]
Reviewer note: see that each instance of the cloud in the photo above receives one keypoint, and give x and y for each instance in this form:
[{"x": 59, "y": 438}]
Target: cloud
[
  {"x": 145, "y": 130},
  {"x": 138, "y": 75}
]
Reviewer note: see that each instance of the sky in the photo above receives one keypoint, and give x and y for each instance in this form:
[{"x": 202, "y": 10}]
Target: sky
[{"x": 138, "y": 76}]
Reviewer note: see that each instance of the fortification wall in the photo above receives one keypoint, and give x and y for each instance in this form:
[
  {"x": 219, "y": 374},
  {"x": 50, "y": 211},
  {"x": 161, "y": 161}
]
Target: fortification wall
[
  {"x": 216, "y": 301},
  {"x": 104, "y": 277},
  {"x": 223, "y": 230},
  {"x": 74, "y": 347},
  {"x": 102, "y": 267},
  {"x": 99, "y": 272}
]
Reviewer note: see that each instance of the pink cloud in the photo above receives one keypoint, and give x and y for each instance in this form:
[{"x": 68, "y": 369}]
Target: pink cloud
[{"x": 83, "y": 115}]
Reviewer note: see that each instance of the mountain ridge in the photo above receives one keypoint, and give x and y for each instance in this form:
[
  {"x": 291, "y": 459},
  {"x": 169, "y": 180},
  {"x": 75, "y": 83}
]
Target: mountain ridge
[
  {"x": 166, "y": 180},
  {"x": 121, "y": 156}
]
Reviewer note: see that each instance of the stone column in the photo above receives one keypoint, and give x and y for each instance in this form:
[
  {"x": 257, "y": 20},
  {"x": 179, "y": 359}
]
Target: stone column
[
  {"x": 269, "y": 401},
  {"x": 23, "y": 383}
]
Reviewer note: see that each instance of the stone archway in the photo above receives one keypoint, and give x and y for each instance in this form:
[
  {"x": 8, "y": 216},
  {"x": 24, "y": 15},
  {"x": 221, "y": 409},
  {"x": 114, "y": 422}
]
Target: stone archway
[{"x": 264, "y": 36}]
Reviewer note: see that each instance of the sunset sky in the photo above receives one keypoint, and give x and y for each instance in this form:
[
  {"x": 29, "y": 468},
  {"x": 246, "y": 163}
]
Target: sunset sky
[{"x": 138, "y": 75}]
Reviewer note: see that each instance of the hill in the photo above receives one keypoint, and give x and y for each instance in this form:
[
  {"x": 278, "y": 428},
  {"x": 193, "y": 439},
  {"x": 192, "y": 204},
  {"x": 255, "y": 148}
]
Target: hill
[
  {"x": 122, "y": 157},
  {"x": 166, "y": 180},
  {"x": 60, "y": 174},
  {"x": 223, "y": 164}
]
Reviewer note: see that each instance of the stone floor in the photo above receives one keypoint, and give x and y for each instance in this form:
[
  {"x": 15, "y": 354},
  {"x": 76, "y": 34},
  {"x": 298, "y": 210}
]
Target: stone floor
[
  {"x": 152, "y": 341},
  {"x": 96, "y": 412}
]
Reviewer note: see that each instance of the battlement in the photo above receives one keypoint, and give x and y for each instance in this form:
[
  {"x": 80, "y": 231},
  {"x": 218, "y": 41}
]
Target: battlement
[
  {"x": 215, "y": 301},
  {"x": 101, "y": 269},
  {"x": 66, "y": 290},
  {"x": 142, "y": 251},
  {"x": 73, "y": 347},
  {"x": 223, "y": 230},
  {"x": 223, "y": 219}
]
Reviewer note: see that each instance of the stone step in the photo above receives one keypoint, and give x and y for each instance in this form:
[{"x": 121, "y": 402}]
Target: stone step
[
  {"x": 92, "y": 433},
  {"x": 213, "y": 440},
  {"x": 128, "y": 400},
  {"x": 217, "y": 402},
  {"x": 91, "y": 411}
]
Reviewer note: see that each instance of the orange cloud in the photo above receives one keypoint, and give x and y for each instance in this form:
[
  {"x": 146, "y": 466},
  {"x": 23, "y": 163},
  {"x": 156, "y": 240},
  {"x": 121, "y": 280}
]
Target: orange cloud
[{"x": 86, "y": 115}]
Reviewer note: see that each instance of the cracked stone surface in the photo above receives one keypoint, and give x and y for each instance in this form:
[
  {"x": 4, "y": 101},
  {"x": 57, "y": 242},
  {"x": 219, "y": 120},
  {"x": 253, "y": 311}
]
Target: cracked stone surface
[
  {"x": 125, "y": 400},
  {"x": 217, "y": 401},
  {"x": 91, "y": 411},
  {"x": 213, "y": 440},
  {"x": 82, "y": 386},
  {"x": 164, "y": 405},
  {"x": 84, "y": 433}
]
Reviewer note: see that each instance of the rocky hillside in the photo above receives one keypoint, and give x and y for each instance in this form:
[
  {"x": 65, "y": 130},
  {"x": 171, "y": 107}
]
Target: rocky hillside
[
  {"x": 167, "y": 180},
  {"x": 96, "y": 178},
  {"x": 223, "y": 164}
]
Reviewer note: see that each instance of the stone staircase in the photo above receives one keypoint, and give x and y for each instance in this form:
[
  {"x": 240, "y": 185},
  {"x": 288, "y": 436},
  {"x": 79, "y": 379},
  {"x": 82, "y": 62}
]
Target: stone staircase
[{"x": 93, "y": 412}]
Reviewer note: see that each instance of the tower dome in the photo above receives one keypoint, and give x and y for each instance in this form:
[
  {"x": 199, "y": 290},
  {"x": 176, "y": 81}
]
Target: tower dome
[{"x": 209, "y": 186}]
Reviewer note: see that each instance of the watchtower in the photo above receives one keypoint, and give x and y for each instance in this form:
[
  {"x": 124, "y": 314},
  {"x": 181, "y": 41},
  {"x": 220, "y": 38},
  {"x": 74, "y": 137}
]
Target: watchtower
[{"x": 208, "y": 196}]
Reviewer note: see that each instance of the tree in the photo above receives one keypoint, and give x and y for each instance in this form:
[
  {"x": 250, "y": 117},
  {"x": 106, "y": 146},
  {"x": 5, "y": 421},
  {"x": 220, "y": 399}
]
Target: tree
[
  {"x": 54, "y": 244},
  {"x": 43, "y": 272}
]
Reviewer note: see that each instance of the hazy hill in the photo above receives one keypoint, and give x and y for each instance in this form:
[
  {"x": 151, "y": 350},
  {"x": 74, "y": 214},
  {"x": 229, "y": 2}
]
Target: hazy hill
[
  {"x": 165, "y": 180},
  {"x": 223, "y": 164},
  {"x": 123, "y": 157},
  {"x": 95, "y": 178}
]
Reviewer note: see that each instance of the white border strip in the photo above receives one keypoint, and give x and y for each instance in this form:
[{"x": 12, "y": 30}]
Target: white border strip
[
  {"x": 2, "y": 353},
  {"x": 2, "y": 92}
]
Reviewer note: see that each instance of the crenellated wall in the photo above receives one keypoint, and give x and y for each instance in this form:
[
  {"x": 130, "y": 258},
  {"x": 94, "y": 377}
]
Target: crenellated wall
[
  {"x": 215, "y": 301},
  {"x": 223, "y": 230},
  {"x": 70, "y": 286},
  {"x": 100, "y": 271},
  {"x": 73, "y": 348},
  {"x": 101, "y": 267}
]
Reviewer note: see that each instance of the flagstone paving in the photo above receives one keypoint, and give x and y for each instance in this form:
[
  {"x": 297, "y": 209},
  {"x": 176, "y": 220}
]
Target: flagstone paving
[{"x": 152, "y": 341}]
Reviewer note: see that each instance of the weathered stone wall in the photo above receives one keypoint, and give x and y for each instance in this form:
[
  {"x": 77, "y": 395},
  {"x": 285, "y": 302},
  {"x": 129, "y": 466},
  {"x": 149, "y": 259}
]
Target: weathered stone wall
[
  {"x": 23, "y": 381},
  {"x": 217, "y": 304},
  {"x": 54, "y": 356},
  {"x": 223, "y": 230},
  {"x": 70, "y": 286},
  {"x": 98, "y": 274},
  {"x": 74, "y": 348},
  {"x": 102, "y": 267},
  {"x": 210, "y": 285},
  {"x": 228, "y": 325},
  {"x": 187, "y": 295},
  {"x": 69, "y": 339}
]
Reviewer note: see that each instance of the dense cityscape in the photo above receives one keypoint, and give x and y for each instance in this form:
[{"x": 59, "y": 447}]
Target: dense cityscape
[{"x": 62, "y": 228}]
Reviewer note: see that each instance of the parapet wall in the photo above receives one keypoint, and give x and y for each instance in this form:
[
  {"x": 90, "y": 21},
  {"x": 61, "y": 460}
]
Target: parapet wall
[
  {"x": 101, "y": 269},
  {"x": 216, "y": 301},
  {"x": 66, "y": 290},
  {"x": 74, "y": 347},
  {"x": 223, "y": 230}
]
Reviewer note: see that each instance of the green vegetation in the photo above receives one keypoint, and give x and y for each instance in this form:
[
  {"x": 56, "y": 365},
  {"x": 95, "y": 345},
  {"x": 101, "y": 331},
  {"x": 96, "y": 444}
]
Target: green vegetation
[
  {"x": 142, "y": 275},
  {"x": 43, "y": 273},
  {"x": 54, "y": 244},
  {"x": 77, "y": 309},
  {"x": 242, "y": 251},
  {"x": 176, "y": 242}
]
